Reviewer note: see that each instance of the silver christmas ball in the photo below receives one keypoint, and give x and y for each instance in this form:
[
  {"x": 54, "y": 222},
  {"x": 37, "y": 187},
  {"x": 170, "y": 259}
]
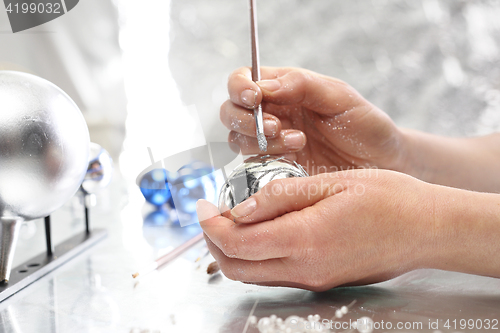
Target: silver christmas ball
[
  {"x": 44, "y": 146},
  {"x": 252, "y": 175},
  {"x": 99, "y": 171}
]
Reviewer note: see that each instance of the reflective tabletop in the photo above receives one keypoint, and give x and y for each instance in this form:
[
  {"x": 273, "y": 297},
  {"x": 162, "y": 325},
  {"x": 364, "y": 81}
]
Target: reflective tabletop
[{"x": 95, "y": 292}]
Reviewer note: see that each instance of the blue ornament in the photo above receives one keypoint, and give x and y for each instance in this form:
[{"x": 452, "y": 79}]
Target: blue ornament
[
  {"x": 179, "y": 191},
  {"x": 194, "y": 181},
  {"x": 154, "y": 187}
]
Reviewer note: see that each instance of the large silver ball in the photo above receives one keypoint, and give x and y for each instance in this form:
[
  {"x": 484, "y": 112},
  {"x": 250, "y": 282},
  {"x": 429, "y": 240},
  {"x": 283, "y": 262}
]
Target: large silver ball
[
  {"x": 44, "y": 146},
  {"x": 252, "y": 175},
  {"x": 99, "y": 170}
]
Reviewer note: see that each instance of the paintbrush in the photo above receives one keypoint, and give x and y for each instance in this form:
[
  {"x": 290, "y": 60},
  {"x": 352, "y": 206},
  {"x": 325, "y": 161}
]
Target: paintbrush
[
  {"x": 257, "y": 112},
  {"x": 169, "y": 256}
]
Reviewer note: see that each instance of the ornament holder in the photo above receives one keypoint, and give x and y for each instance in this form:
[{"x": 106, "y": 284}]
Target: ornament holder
[{"x": 55, "y": 256}]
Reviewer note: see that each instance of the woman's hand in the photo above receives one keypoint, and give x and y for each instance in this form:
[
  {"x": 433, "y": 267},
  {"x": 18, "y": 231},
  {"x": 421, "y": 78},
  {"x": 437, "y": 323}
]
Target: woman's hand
[
  {"x": 325, "y": 125},
  {"x": 359, "y": 226},
  {"x": 321, "y": 122},
  {"x": 354, "y": 227}
]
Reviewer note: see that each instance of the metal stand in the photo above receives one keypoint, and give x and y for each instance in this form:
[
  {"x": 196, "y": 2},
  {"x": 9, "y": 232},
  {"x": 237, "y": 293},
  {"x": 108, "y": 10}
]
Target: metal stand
[
  {"x": 87, "y": 223},
  {"x": 48, "y": 236},
  {"x": 32, "y": 270},
  {"x": 89, "y": 200}
]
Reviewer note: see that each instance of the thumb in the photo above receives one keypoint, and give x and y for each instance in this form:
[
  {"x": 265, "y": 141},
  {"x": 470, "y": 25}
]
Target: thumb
[
  {"x": 320, "y": 93},
  {"x": 206, "y": 210},
  {"x": 283, "y": 196}
]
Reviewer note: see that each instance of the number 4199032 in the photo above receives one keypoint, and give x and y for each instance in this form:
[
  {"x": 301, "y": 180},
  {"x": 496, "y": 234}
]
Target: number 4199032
[
  {"x": 34, "y": 8},
  {"x": 471, "y": 324}
]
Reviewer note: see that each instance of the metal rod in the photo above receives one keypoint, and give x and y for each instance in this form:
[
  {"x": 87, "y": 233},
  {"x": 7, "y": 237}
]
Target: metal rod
[
  {"x": 257, "y": 112},
  {"x": 48, "y": 236},
  {"x": 87, "y": 220}
]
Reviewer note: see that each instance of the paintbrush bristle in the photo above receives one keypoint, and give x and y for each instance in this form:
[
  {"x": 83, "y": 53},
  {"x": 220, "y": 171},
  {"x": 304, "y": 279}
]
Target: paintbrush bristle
[{"x": 262, "y": 142}]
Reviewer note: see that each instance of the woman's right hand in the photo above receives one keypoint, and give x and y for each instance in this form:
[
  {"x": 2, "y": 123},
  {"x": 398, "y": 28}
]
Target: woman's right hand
[{"x": 321, "y": 122}]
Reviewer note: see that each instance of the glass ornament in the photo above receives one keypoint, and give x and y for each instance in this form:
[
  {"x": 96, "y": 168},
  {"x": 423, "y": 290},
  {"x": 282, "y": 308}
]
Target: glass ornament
[
  {"x": 194, "y": 181},
  {"x": 99, "y": 171},
  {"x": 252, "y": 175},
  {"x": 44, "y": 154},
  {"x": 182, "y": 189},
  {"x": 154, "y": 187},
  {"x": 44, "y": 146}
]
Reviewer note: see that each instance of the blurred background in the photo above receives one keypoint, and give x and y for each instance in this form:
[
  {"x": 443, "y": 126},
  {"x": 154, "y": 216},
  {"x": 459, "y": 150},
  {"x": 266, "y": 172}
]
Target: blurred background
[{"x": 153, "y": 73}]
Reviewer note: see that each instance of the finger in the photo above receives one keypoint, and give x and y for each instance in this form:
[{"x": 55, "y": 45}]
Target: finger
[
  {"x": 286, "y": 142},
  {"x": 318, "y": 92},
  {"x": 246, "y": 93},
  {"x": 242, "y": 90},
  {"x": 248, "y": 271},
  {"x": 283, "y": 196},
  {"x": 242, "y": 120},
  {"x": 274, "y": 271},
  {"x": 291, "y": 285},
  {"x": 206, "y": 211},
  {"x": 260, "y": 241}
]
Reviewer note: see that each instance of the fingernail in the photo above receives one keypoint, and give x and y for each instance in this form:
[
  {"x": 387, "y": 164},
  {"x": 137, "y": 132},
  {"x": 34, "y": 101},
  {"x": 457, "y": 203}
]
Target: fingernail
[
  {"x": 248, "y": 97},
  {"x": 245, "y": 208},
  {"x": 270, "y": 127},
  {"x": 269, "y": 85},
  {"x": 294, "y": 140},
  {"x": 206, "y": 210}
]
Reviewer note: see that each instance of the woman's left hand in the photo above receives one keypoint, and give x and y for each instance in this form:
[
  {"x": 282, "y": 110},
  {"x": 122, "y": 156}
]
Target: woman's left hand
[{"x": 353, "y": 227}]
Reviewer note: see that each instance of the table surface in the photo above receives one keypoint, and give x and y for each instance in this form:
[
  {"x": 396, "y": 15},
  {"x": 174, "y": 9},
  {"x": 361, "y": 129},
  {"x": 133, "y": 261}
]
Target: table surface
[{"x": 94, "y": 292}]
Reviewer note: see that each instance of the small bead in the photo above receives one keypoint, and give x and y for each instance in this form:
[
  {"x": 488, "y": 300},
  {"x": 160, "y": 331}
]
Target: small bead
[
  {"x": 365, "y": 325},
  {"x": 292, "y": 321},
  {"x": 344, "y": 309},
  {"x": 252, "y": 320},
  {"x": 263, "y": 324},
  {"x": 338, "y": 314},
  {"x": 317, "y": 317},
  {"x": 310, "y": 318}
]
